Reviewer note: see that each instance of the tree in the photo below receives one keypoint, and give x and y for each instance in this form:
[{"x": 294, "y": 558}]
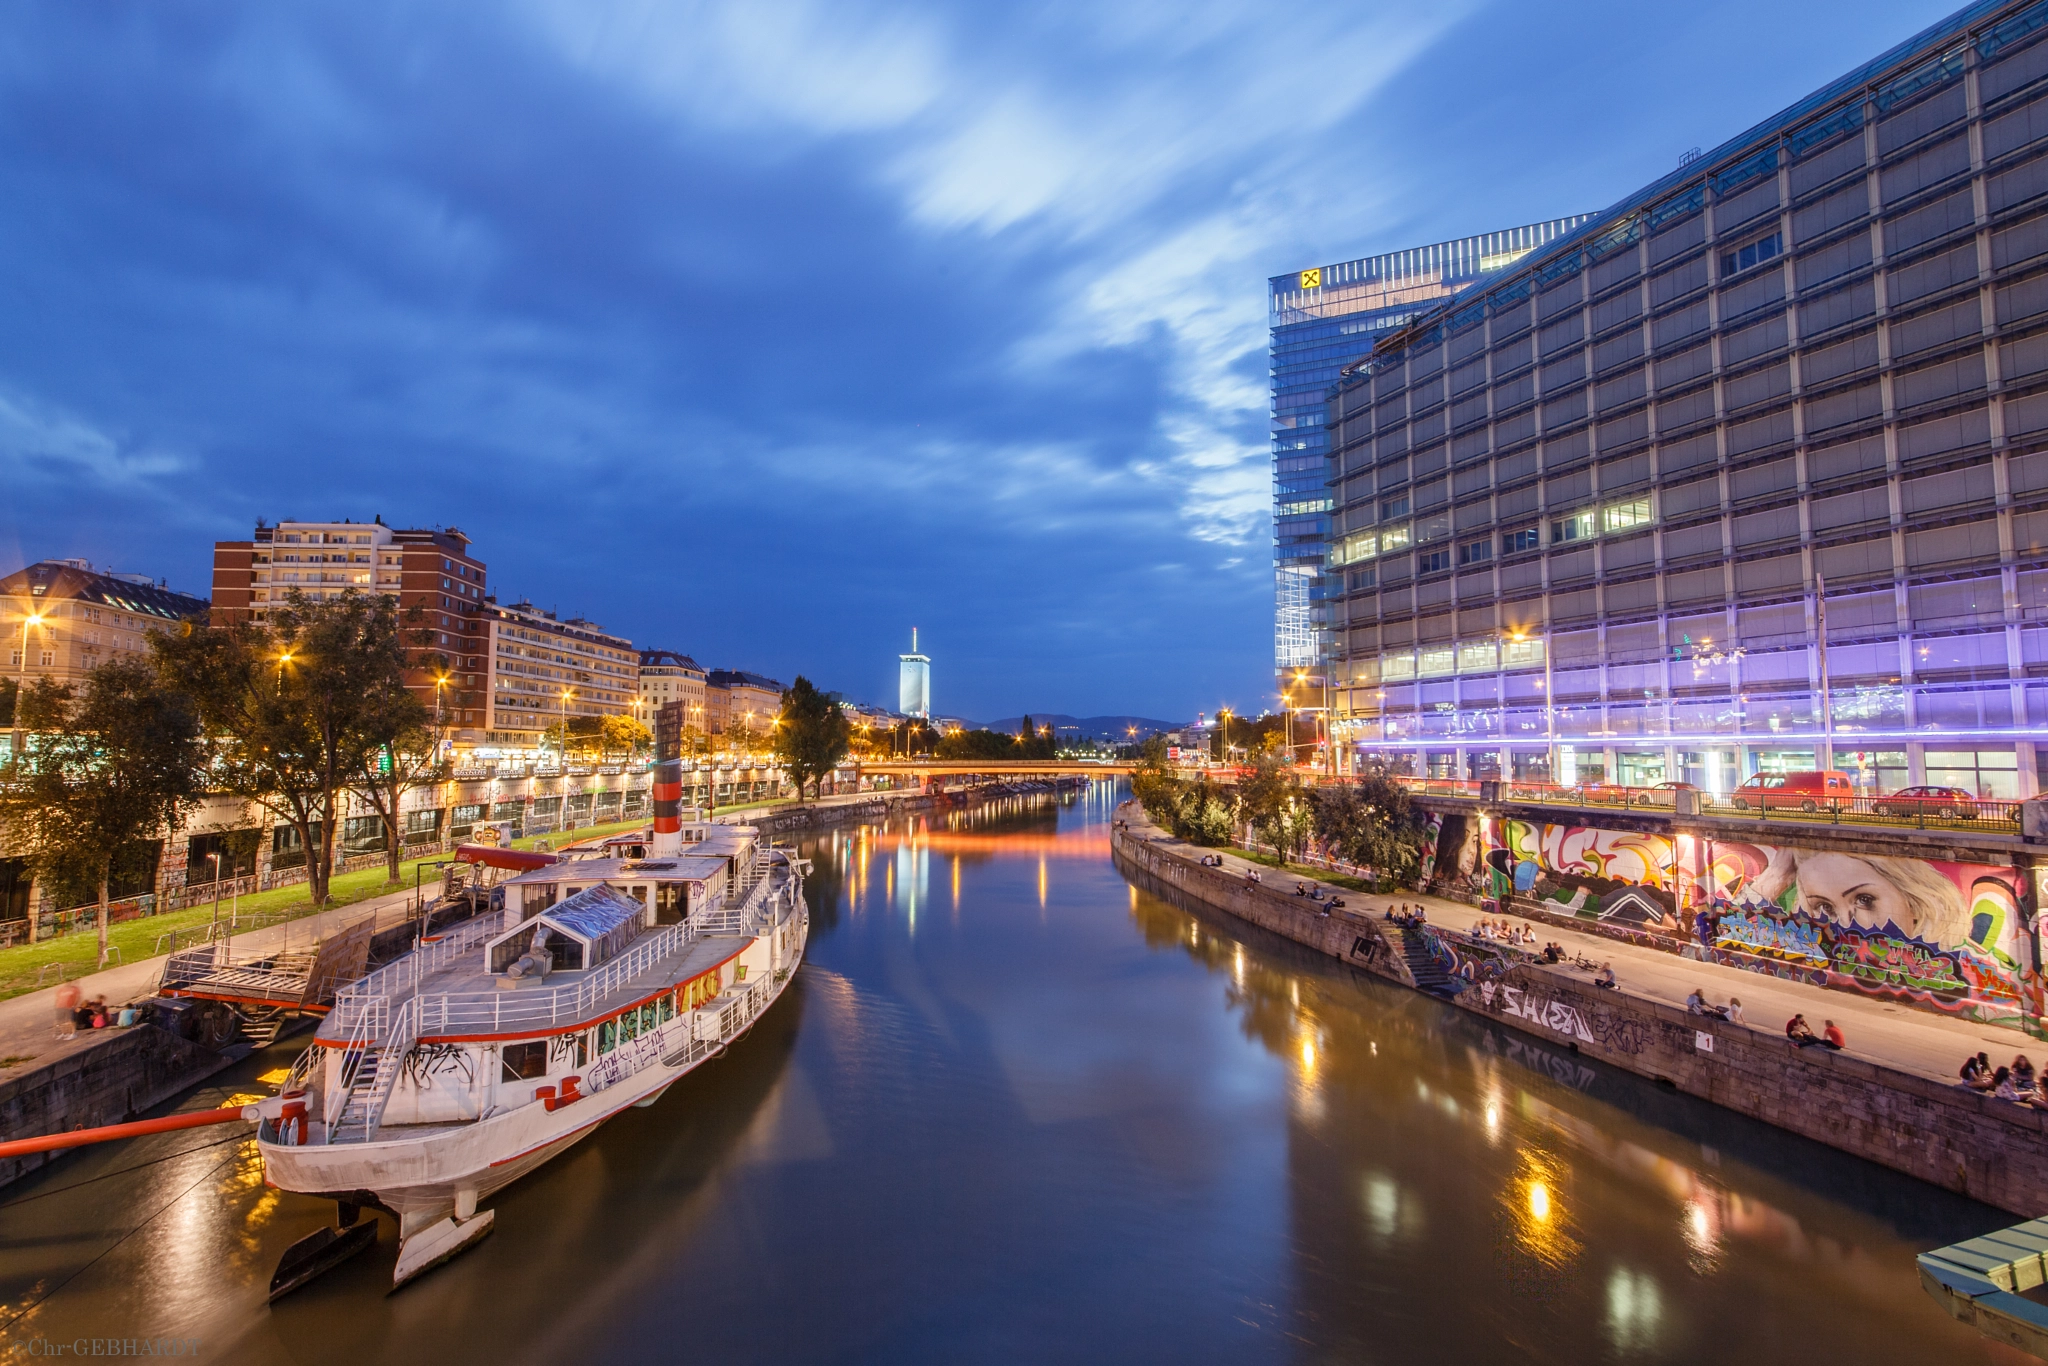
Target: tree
[
  {"x": 113, "y": 762},
  {"x": 810, "y": 735},
  {"x": 299, "y": 706},
  {"x": 1374, "y": 823},
  {"x": 621, "y": 737},
  {"x": 406, "y": 754},
  {"x": 977, "y": 744}
]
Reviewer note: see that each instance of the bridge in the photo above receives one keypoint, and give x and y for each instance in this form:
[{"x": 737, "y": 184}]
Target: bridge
[{"x": 995, "y": 768}]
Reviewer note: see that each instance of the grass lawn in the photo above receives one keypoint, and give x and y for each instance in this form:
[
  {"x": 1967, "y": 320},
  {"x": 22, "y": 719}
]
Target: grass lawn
[
  {"x": 1302, "y": 870},
  {"x": 137, "y": 939}
]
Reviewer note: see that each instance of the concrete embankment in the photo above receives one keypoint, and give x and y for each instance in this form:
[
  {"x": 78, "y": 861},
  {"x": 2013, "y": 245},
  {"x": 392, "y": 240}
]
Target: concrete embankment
[
  {"x": 1975, "y": 1145},
  {"x": 102, "y": 1077}
]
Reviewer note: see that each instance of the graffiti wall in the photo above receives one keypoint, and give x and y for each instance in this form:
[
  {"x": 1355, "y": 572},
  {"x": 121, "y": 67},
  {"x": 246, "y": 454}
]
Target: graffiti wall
[{"x": 1959, "y": 936}]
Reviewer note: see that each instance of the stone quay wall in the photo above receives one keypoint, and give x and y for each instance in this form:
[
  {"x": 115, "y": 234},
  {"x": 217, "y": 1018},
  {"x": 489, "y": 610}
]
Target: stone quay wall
[
  {"x": 1975, "y": 1145},
  {"x": 112, "y": 1080}
]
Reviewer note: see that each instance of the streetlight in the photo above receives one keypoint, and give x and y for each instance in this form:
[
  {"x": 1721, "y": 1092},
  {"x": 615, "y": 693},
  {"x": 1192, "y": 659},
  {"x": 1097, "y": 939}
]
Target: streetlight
[
  {"x": 567, "y": 693},
  {"x": 1224, "y": 716},
  {"x": 284, "y": 658},
  {"x": 21, "y": 684}
]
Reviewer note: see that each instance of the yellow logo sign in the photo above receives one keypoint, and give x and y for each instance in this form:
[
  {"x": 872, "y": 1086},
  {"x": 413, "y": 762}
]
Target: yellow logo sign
[{"x": 1312, "y": 279}]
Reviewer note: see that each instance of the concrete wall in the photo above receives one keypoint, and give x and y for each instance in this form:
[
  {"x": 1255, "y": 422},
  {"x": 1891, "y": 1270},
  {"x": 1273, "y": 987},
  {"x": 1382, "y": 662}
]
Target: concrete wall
[
  {"x": 111, "y": 1081},
  {"x": 1975, "y": 1145}
]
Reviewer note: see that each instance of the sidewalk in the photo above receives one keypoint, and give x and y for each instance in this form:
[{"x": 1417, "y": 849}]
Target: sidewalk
[
  {"x": 28, "y": 1021},
  {"x": 1881, "y": 1032}
]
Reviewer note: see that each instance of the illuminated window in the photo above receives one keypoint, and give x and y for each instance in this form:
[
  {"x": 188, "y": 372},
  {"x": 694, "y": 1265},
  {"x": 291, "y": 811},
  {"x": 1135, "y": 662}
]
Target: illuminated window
[
  {"x": 1394, "y": 538},
  {"x": 1577, "y": 528},
  {"x": 1755, "y": 254},
  {"x": 1625, "y": 516}
]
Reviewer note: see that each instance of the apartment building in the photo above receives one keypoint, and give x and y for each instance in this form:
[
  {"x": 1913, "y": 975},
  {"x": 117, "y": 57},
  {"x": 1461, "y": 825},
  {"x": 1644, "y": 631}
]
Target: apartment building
[
  {"x": 666, "y": 677},
  {"x": 544, "y": 672},
  {"x": 742, "y": 701},
  {"x": 61, "y": 619},
  {"x": 428, "y": 570}
]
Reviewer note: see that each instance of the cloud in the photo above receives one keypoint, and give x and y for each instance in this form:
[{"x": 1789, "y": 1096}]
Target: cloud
[{"x": 44, "y": 445}]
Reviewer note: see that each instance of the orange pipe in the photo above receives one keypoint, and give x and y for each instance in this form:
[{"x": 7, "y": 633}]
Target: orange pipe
[{"x": 78, "y": 1138}]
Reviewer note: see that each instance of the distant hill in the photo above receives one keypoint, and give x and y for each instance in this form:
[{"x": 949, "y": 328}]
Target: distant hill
[{"x": 1115, "y": 729}]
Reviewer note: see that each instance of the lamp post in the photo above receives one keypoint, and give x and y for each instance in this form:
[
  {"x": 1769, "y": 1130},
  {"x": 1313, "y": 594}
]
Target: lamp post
[
  {"x": 214, "y": 933},
  {"x": 284, "y": 657},
  {"x": 21, "y": 683},
  {"x": 567, "y": 693},
  {"x": 1224, "y": 716}
]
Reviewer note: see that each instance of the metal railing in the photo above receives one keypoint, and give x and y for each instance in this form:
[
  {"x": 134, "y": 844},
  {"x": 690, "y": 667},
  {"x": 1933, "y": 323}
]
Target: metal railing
[{"x": 1989, "y": 814}]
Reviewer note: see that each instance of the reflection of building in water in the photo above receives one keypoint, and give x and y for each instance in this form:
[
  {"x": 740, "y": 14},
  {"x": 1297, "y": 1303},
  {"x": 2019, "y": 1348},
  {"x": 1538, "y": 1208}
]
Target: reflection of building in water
[{"x": 1439, "y": 1154}]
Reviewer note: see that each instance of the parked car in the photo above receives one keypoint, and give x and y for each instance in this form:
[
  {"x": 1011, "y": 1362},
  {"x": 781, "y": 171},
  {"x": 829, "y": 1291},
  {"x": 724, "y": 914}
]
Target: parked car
[
  {"x": 1663, "y": 794},
  {"x": 1943, "y": 803},
  {"x": 1808, "y": 791}
]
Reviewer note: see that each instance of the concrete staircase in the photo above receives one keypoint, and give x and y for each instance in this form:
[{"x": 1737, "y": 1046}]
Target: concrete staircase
[{"x": 1428, "y": 974}]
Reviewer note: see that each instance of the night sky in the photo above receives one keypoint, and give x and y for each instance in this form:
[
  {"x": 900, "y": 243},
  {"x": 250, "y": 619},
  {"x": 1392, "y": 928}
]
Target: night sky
[{"x": 766, "y": 331}]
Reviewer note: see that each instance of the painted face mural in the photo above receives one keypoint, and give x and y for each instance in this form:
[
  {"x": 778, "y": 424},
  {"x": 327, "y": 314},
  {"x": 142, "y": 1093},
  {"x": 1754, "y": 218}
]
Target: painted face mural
[{"x": 1950, "y": 932}]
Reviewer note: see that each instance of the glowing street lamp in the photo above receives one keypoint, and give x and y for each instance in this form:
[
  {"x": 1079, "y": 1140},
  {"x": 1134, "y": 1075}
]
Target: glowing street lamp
[{"x": 34, "y": 619}]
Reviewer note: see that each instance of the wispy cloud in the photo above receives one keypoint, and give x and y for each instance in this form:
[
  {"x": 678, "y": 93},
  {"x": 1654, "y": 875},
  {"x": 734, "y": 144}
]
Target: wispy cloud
[{"x": 42, "y": 444}]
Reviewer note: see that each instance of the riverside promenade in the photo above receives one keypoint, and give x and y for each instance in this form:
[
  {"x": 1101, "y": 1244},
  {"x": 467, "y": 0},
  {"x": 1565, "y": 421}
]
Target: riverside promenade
[{"x": 1891, "y": 1096}]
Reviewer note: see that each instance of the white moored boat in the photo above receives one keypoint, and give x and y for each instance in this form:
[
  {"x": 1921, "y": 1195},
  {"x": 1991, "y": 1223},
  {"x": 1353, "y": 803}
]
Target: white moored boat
[{"x": 458, "y": 1068}]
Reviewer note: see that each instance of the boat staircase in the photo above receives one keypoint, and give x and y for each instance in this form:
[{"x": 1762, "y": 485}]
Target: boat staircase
[
  {"x": 1428, "y": 974},
  {"x": 369, "y": 1066}
]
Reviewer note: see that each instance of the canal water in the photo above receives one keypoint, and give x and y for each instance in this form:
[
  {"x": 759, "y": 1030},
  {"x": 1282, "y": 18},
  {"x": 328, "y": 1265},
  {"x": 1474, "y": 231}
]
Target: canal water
[{"x": 1015, "y": 1109}]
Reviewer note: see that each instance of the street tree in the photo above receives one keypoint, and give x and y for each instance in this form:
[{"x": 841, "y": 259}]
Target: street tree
[
  {"x": 298, "y": 707},
  {"x": 115, "y": 760},
  {"x": 811, "y": 736},
  {"x": 1374, "y": 823},
  {"x": 609, "y": 739}
]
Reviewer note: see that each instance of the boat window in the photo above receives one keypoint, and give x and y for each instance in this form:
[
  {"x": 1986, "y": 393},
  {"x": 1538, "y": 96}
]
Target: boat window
[
  {"x": 524, "y": 1061},
  {"x": 607, "y": 1036},
  {"x": 629, "y": 1026},
  {"x": 668, "y": 1009},
  {"x": 647, "y": 1021},
  {"x": 739, "y": 972},
  {"x": 669, "y": 903}
]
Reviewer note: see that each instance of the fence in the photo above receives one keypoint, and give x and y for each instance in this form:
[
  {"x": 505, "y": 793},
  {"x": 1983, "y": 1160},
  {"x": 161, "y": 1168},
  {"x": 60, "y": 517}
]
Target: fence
[{"x": 1986, "y": 814}]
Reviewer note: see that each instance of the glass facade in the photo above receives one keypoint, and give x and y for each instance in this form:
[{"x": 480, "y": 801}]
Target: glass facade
[
  {"x": 1748, "y": 474},
  {"x": 1321, "y": 319}
]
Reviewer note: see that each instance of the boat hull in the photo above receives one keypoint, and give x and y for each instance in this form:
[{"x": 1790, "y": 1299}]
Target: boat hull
[{"x": 432, "y": 1177}]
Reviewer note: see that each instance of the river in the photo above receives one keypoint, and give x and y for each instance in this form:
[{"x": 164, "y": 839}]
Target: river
[{"x": 1015, "y": 1109}]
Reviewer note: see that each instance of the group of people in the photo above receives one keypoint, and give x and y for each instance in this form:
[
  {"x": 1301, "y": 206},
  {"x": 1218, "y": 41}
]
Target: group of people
[
  {"x": 74, "y": 1013},
  {"x": 2015, "y": 1083},
  {"x": 1504, "y": 932},
  {"x": 1802, "y": 1036},
  {"x": 1412, "y": 919},
  {"x": 1697, "y": 1004}
]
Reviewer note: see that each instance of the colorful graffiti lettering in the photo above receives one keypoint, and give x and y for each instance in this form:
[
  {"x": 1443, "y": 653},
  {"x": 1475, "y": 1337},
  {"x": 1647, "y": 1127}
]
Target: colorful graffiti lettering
[{"x": 1953, "y": 935}]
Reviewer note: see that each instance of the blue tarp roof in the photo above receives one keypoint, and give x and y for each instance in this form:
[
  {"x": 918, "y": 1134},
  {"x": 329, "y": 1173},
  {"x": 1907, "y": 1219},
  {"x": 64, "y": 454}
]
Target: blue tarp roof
[{"x": 593, "y": 913}]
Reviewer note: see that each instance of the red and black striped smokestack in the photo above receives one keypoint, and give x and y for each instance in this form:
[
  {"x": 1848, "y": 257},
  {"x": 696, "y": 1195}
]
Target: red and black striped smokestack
[{"x": 668, "y": 781}]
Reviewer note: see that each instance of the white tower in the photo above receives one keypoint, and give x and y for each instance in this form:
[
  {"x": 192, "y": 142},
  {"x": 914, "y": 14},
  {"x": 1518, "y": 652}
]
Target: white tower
[{"x": 914, "y": 682}]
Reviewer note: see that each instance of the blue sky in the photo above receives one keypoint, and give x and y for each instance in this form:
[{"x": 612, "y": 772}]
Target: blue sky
[{"x": 765, "y": 331}]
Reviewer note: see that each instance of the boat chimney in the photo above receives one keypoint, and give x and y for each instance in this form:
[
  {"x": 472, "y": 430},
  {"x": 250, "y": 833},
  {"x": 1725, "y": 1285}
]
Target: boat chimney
[{"x": 668, "y": 782}]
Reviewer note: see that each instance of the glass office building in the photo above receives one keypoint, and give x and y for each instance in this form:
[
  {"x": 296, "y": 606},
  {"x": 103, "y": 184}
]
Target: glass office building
[
  {"x": 1750, "y": 473},
  {"x": 1322, "y": 318}
]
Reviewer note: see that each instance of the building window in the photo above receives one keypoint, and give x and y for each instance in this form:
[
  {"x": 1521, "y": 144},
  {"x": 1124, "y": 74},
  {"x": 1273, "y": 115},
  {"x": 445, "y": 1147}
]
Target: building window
[
  {"x": 1755, "y": 254},
  {"x": 1625, "y": 516},
  {"x": 1363, "y": 578},
  {"x": 1515, "y": 542},
  {"x": 1475, "y": 552},
  {"x": 1391, "y": 508},
  {"x": 1577, "y": 528},
  {"x": 1433, "y": 562}
]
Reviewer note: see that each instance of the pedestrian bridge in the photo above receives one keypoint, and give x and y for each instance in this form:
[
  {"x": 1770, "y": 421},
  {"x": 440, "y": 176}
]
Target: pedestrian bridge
[{"x": 996, "y": 768}]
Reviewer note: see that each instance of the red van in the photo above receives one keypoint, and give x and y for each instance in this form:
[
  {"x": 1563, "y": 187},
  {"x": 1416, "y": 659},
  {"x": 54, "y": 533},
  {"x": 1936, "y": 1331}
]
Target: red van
[{"x": 1794, "y": 791}]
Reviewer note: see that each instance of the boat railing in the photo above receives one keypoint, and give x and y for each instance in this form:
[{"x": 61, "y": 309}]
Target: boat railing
[
  {"x": 494, "y": 1011},
  {"x": 404, "y": 975}
]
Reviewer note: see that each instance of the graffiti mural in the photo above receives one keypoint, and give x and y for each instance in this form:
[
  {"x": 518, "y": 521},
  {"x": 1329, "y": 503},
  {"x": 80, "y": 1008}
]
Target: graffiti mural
[{"x": 1957, "y": 936}]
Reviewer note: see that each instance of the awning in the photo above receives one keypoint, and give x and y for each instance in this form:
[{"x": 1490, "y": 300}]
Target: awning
[{"x": 491, "y": 856}]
